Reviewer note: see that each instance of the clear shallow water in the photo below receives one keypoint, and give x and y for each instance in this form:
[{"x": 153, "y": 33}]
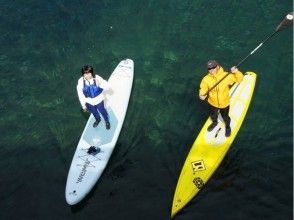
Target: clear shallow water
[{"x": 44, "y": 45}]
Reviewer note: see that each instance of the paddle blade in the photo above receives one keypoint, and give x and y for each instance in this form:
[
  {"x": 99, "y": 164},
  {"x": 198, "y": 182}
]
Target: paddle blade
[{"x": 288, "y": 20}]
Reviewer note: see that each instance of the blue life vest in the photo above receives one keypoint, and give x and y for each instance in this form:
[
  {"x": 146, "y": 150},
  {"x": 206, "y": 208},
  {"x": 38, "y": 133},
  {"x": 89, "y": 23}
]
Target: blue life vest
[{"x": 92, "y": 91}]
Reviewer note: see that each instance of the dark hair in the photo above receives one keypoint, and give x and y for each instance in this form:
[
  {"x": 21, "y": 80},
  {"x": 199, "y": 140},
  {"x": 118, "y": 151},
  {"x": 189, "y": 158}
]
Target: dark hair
[
  {"x": 211, "y": 64},
  {"x": 87, "y": 68}
]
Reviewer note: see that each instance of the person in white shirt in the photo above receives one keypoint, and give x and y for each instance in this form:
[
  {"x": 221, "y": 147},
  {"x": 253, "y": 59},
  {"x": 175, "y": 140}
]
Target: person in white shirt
[{"x": 90, "y": 92}]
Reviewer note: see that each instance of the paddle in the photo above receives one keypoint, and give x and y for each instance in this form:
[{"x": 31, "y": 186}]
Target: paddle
[{"x": 288, "y": 20}]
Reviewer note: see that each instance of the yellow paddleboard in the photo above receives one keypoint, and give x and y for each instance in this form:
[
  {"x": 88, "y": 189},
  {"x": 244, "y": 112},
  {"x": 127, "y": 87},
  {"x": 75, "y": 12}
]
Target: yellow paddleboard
[{"x": 210, "y": 148}]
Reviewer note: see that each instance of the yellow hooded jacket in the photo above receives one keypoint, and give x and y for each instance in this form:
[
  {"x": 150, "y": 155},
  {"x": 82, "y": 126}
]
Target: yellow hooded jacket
[{"x": 219, "y": 96}]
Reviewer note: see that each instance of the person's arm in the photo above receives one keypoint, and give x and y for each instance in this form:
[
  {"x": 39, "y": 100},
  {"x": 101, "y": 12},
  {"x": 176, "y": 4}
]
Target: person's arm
[
  {"x": 102, "y": 83},
  {"x": 81, "y": 95},
  {"x": 237, "y": 75},
  {"x": 203, "y": 90}
]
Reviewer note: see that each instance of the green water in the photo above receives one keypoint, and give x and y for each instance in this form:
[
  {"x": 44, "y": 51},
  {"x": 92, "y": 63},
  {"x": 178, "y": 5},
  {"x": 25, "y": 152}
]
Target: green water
[{"x": 44, "y": 45}]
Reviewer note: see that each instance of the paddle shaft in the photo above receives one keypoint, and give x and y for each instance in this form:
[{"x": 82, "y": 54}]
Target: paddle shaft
[
  {"x": 253, "y": 51},
  {"x": 288, "y": 20},
  {"x": 245, "y": 58}
]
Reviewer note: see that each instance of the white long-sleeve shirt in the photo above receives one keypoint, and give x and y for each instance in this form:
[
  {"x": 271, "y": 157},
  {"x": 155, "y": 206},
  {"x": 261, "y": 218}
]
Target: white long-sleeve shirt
[{"x": 92, "y": 101}]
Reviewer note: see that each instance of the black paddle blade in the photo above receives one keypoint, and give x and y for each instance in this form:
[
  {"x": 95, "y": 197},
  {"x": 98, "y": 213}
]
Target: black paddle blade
[{"x": 288, "y": 20}]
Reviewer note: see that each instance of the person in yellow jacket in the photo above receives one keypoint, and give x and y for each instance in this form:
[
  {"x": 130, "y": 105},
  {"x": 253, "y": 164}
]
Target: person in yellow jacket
[{"x": 218, "y": 98}]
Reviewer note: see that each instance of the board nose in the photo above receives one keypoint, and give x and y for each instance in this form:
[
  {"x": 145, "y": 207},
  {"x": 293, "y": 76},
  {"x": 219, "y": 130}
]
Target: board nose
[{"x": 71, "y": 197}]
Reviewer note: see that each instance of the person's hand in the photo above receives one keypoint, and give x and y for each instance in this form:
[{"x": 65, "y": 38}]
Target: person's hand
[
  {"x": 202, "y": 97},
  {"x": 234, "y": 69},
  {"x": 85, "y": 109}
]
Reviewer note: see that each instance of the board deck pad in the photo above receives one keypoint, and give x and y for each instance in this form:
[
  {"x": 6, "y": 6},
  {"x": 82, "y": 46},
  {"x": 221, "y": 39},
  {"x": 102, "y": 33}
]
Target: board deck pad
[{"x": 100, "y": 135}]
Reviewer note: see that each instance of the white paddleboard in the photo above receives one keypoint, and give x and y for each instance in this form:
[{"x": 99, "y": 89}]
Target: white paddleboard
[{"x": 85, "y": 168}]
